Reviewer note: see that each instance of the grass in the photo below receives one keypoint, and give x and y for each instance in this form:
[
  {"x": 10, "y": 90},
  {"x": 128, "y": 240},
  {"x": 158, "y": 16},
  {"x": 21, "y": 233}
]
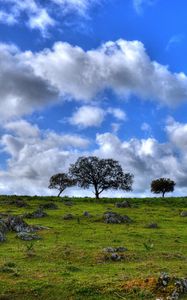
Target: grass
[{"x": 68, "y": 263}]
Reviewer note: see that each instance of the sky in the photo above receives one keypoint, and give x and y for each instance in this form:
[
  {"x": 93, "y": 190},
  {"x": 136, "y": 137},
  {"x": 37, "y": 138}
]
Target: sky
[{"x": 92, "y": 77}]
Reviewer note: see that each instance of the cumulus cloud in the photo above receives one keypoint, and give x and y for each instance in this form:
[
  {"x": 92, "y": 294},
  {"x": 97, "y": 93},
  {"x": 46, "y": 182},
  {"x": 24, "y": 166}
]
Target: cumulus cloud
[
  {"x": 35, "y": 155},
  {"x": 21, "y": 90},
  {"x": 88, "y": 116},
  {"x": 122, "y": 66},
  {"x": 28, "y": 83}
]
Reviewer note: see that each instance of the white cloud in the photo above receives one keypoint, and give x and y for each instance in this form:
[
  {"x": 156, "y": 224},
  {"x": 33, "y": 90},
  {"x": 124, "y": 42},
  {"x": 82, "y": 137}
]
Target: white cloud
[
  {"x": 122, "y": 66},
  {"x": 140, "y": 4},
  {"x": 39, "y": 13},
  {"x": 35, "y": 156},
  {"x": 88, "y": 116},
  {"x": 28, "y": 83},
  {"x": 117, "y": 113},
  {"x": 174, "y": 41},
  {"x": 21, "y": 90}
]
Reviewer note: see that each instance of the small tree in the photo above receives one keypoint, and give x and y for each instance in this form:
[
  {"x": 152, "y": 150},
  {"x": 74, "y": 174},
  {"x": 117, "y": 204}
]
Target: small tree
[
  {"x": 162, "y": 185},
  {"x": 102, "y": 174},
  {"x": 60, "y": 182}
]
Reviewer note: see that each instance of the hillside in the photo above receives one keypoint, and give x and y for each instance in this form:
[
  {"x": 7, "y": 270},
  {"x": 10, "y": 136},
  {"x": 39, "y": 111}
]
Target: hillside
[{"x": 71, "y": 261}]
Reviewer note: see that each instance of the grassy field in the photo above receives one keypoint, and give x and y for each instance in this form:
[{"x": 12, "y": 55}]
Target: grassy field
[{"x": 69, "y": 263}]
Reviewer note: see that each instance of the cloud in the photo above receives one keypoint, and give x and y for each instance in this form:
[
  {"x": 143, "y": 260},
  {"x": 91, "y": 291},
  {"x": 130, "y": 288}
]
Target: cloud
[
  {"x": 28, "y": 83},
  {"x": 35, "y": 155},
  {"x": 21, "y": 90},
  {"x": 40, "y": 14},
  {"x": 88, "y": 116},
  {"x": 123, "y": 66},
  {"x": 174, "y": 41},
  {"x": 140, "y": 4}
]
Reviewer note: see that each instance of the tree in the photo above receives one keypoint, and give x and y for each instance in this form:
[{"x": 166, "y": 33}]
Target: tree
[
  {"x": 60, "y": 182},
  {"x": 102, "y": 174},
  {"x": 162, "y": 185}
]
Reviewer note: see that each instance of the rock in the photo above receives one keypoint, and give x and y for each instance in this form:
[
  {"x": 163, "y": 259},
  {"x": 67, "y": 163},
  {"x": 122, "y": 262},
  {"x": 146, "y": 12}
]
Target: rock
[
  {"x": 183, "y": 214},
  {"x": 124, "y": 204},
  {"x": 25, "y": 236},
  {"x": 39, "y": 213},
  {"x": 68, "y": 217},
  {"x": 163, "y": 280},
  {"x": 114, "y": 218},
  {"x": 115, "y": 257},
  {"x": 16, "y": 223},
  {"x": 87, "y": 214},
  {"x": 152, "y": 226},
  {"x": 18, "y": 203},
  {"x": 2, "y": 236},
  {"x": 113, "y": 250},
  {"x": 3, "y": 226},
  {"x": 68, "y": 203},
  {"x": 49, "y": 205}
]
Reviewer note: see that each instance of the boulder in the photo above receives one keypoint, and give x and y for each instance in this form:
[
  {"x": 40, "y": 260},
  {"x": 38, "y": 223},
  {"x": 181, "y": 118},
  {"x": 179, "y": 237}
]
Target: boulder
[
  {"x": 25, "y": 236},
  {"x": 114, "y": 218},
  {"x": 17, "y": 202},
  {"x": 49, "y": 205},
  {"x": 113, "y": 250},
  {"x": 152, "y": 226},
  {"x": 17, "y": 224},
  {"x": 183, "y": 214},
  {"x": 39, "y": 213},
  {"x": 124, "y": 204},
  {"x": 87, "y": 214},
  {"x": 68, "y": 217},
  {"x": 2, "y": 236},
  {"x": 68, "y": 203}
]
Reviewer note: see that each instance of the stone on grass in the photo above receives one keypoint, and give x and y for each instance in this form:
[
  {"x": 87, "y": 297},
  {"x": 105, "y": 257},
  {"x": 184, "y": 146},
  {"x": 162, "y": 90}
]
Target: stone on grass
[
  {"x": 87, "y": 214},
  {"x": 17, "y": 224},
  {"x": 152, "y": 226},
  {"x": 112, "y": 250},
  {"x": 183, "y": 214},
  {"x": 2, "y": 237},
  {"x": 68, "y": 217},
  {"x": 124, "y": 204},
  {"x": 114, "y": 218},
  {"x": 18, "y": 202},
  {"x": 25, "y": 236},
  {"x": 3, "y": 226},
  {"x": 49, "y": 205},
  {"x": 68, "y": 203},
  {"x": 39, "y": 213}
]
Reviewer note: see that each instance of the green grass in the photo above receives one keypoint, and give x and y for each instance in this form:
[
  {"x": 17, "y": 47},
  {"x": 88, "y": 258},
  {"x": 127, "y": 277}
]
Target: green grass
[{"x": 68, "y": 263}]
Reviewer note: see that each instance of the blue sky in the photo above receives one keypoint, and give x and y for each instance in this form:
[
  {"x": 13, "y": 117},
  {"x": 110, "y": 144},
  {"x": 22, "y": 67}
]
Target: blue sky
[{"x": 95, "y": 77}]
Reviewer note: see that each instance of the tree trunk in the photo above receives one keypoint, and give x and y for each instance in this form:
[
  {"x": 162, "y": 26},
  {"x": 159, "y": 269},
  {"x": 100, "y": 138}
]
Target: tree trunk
[
  {"x": 163, "y": 193},
  {"x": 96, "y": 192},
  {"x": 60, "y": 193}
]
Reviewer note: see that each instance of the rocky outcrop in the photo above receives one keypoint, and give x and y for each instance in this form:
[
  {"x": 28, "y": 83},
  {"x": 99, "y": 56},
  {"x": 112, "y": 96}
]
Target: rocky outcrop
[{"x": 114, "y": 218}]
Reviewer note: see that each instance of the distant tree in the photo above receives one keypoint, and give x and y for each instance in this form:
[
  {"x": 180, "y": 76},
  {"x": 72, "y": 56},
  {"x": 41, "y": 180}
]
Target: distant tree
[
  {"x": 162, "y": 185},
  {"x": 102, "y": 174},
  {"x": 61, "y": 181}
]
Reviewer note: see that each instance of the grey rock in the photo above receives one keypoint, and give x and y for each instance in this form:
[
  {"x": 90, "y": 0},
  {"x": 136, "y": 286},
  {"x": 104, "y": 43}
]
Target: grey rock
[
  {"x": 2, "y": 237},
  {"x": 87, "y": 214},
  {"x": 39, "y": 213},
  {"x": 68, "y": 203},
  {"x": 17, "y": 224},
  {"x": 3, "y": 226},
  {"x": 115, "y": 257},
  {"x": 25, "y": 236},
  {"x": 49, "y": 205},
  {"x": 124, "y": 204},
  {"x": 183, "y": 214},
  {"x": 68, "y": 217},
  {"x": 113, "y": 250},
  {"x": 152, "y": 226},
  {"x": 114, "y": 218}
]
